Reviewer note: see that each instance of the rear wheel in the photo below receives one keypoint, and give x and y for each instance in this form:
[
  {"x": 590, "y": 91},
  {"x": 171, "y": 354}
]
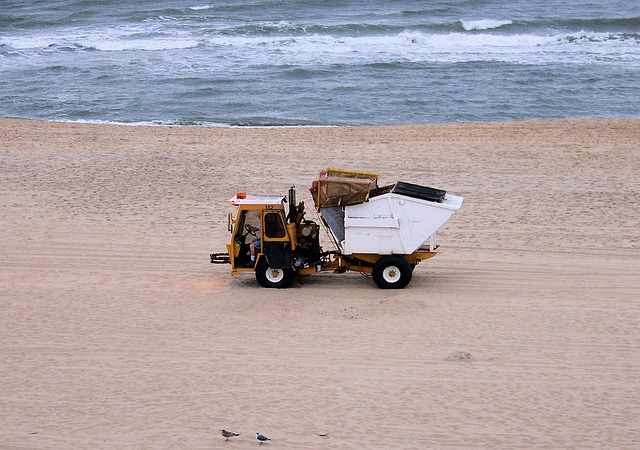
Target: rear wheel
[
  {"x": 273, "y": 278},
  {"x": 392, "y": 272}
]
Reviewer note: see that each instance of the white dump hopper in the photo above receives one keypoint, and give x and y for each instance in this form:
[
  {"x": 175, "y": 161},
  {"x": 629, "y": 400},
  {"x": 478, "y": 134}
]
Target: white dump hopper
[{"x": 400, "y": 221}]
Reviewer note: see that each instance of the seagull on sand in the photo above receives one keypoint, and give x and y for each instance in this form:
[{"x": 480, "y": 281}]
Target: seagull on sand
[
  {"x": 262, "y": 438},
  {"x": 228, "y": 434}
]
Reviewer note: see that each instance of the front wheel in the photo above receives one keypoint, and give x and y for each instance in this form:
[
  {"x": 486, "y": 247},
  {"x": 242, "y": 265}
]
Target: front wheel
[
  {"x": 273, "y": 278},
  {"x": 392, "y": 272}
]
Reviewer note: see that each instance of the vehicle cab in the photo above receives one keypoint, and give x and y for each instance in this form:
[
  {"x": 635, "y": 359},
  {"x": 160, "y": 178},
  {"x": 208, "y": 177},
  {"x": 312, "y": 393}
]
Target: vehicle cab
[{"x": 266, "y": 214}]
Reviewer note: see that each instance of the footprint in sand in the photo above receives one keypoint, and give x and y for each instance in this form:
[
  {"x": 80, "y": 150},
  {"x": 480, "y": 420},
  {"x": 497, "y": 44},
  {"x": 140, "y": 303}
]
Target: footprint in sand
[{"x": 459, "y": 357}]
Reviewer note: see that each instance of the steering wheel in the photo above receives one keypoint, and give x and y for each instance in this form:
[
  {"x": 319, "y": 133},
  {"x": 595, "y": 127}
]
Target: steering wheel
[{"x": 249, "y": 230}]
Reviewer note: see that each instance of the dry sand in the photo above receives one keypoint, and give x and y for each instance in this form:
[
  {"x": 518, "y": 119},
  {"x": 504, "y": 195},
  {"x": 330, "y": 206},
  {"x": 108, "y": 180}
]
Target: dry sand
[{"x": 116, "y": 331}]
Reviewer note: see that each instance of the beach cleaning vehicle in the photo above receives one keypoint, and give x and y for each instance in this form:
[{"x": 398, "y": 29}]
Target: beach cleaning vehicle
[{"x": 379, "y": 231}]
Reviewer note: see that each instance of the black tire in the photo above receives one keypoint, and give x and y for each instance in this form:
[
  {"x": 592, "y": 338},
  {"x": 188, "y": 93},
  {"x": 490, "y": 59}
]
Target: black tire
[
  {"x": 273, "y": 278},
  {"x": 392, "y": 272}
]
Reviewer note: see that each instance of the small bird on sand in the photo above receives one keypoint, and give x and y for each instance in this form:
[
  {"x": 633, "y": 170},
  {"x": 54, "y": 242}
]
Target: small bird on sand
[
  {"x": 228, "y": 434},
  {"x": 262, "y": 438}
]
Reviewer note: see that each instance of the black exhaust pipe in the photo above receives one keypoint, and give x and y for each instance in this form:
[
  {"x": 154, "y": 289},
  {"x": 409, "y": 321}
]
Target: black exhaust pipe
[{"x": 293, "y": 209}]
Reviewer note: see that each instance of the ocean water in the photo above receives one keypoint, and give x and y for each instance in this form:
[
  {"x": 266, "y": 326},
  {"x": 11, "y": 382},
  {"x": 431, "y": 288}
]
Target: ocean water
[{"x": 335, "y": 62}]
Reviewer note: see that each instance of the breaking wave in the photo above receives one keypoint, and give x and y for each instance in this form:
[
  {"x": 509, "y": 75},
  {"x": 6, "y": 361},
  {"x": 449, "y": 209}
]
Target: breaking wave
[{"x": 484, "y": 24}]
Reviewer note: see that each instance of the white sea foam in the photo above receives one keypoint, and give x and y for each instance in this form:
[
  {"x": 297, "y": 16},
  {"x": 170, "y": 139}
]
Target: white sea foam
[
  {"x": 148, "y": 123},
  {"x": 140, "y": 44},
  {"x": 324, "y": 49},
  {"x": 29, "y": 42},
  {"x": 417, "y": 46},
  {"x": 149, "y": 37},
  {"x": 484, "y": 24},
  {"x": 104, "y": 39}
]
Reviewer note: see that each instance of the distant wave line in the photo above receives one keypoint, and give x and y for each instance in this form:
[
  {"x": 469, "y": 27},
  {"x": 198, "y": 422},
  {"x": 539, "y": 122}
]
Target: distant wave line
[{"x": 191, "y": 22}]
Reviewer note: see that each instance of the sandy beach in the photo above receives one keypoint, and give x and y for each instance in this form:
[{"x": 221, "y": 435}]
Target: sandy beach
[{"x": 117, "y": 332}]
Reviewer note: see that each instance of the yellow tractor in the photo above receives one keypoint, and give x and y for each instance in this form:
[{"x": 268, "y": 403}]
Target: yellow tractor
[{"x": 381, "y": 231}]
